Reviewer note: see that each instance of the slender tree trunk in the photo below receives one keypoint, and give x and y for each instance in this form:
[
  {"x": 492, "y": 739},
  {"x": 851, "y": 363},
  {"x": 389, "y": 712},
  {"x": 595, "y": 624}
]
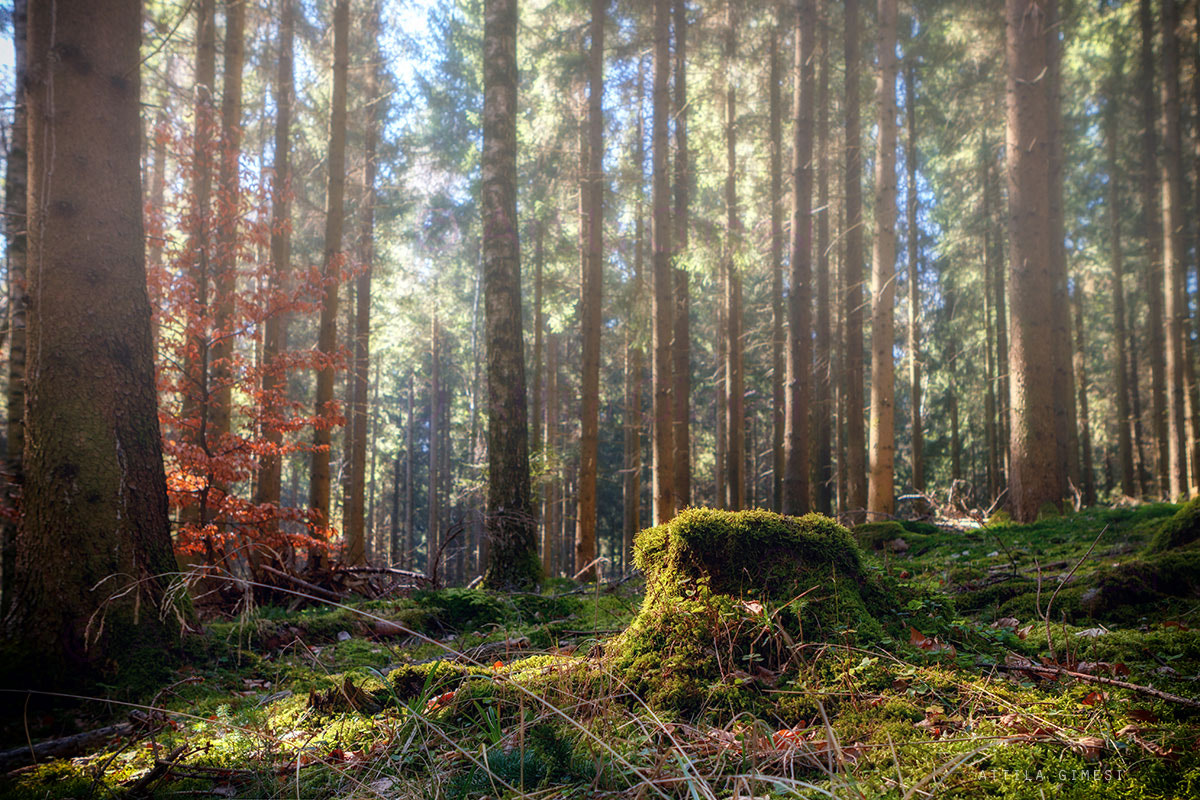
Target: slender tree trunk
[
  {"x": 735, "y": 424},
  {"x": 775, "y": 263},
  {"x": 1175, "y": 307},
  {"x": 356, "y": 526},
  {"x": 1085, "y": 429},
  {"x": 993, "y": 426},
  {"x": 536, "y": 442},
  {"x": 822, "y": 467},
  {"x": 319, "y": 490},
  {"x": 1141, "y": 473},
  {"x": 995, "y": 225},
  {"x": 410, "y": 540},
  {"x": 91, "y": 586},
  {"x": 15, "y": 187},
  {"x": 512, "y": 550},
  {"x": 433, "y": 529},
  {"x": 1117, "y": 282},
  {"x": 553, "y": 513},
  {"x": 274, "y": 380},
  {"x": 856, "y": 438},
  {"x": 914, "y": 278},
  {"x": 591, "y": 297},
  {"x": 796, "y": 447},
  {"x": 1036, "y": 478},
  {"x": 634, "y": 325},
  {"x": 681, "y": 346},
  {"x": 1152, "y": 233},
  {"x": 228, "y": 201},
  {"x": 721, "y": 423},
  {"x": 661, "y": 312},
  {"x": 951, "y": 397},
  {"x": 881, "y": 493}
]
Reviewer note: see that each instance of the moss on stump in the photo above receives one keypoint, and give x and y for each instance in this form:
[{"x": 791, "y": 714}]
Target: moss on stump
[
  {"x": 729, "y": 595},
  {"x": 1181, "y": 529}
]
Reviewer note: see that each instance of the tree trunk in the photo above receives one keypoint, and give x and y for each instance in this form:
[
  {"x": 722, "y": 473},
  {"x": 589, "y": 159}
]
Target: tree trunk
[
  {"x": 410, "y": 537},
  {"x": 319, "y": 489},
  {"x": 1036, "y": 478},
  {"x": 881, "y": 495},
  {"x": 512, "y": 549},
  {"x": 15, "y": 187},
  {"x": 796, "y": 448},
  {"x": 735, "y": 421},
  {"x": 681, "y": 346},
  {"x": 1085, "y": 429},
  {"x": 914, "y": 279},
  {"x": 1175, "y": 307},
  {"x": 822, "y": 466},
  {"x": 433, "y": 533},
  {"x": 92, "y": 584},
  {"x": 856, "y": 439},
  {"x": 1152, "y": 233},
  {"x": 991, "y": 270},
  {"x": 591, "y": 296},
  {"x": 775, "y": 264},
  {"x": 228, "y": 200},
  {"x": 1117, "y": 281},
  {"x": 274, "y": 380},
  {"x": 552, "y": 515},
  {"x": 661, "y": 312},
  {"x": 356, "y": 526},
  {"x": 634, "y": 357}
]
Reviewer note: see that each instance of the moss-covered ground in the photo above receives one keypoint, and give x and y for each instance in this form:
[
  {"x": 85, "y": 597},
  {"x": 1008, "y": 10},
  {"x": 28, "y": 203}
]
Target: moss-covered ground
[{"x": 859, "y": 671}]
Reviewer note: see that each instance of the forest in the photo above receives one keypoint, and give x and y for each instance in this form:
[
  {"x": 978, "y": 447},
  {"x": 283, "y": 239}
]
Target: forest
[{"x": 721, "y": 399}]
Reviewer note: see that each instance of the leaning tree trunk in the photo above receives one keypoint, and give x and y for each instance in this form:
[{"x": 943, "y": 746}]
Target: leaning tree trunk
[
  {"x": 1036, "y": 478},
  {"x": 92, "y": 586},
  {"x": 880, "y": 493},
  {"x": 512, "y": 552}
]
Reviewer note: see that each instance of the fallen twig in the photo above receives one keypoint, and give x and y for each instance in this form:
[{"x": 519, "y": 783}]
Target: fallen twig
[
  {"x": 62, "y": 747},
  {"x": 1083, "y": 676},
  {"x": 320, "y": 591}
]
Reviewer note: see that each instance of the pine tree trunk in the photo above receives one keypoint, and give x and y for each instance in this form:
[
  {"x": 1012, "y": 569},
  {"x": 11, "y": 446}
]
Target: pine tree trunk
[
  {"x": 822, "y": 400},
  {"x": 319, "y": 489},
  {"x": 990, "y": 427},
  {"x": 856, "y": 438},
  {"x": 661, "y": 312},
  {"x": 225, "y": 261},
  {"x": 796, "y": 488},
  {"x": 274, "y": 379},
  {"x": 951, "y": 397},
  {"x": 1085, "y": 429},
  {"x": 433, "y": 533},
  {"x": 681, "y": 346},
  {"x": 552, "y": 515},
  {"x": 993, "y": 424},
  {"x": 881, "y": 493},
  {"x": 356, "y": 552},
  {"x": 591, "y": 296},
  {"x": 512, "y": 546},
  {"x": 1036, "y": 478},
  {"x": 914, "y": 279},
  {"x": 735, "y": 421},
  {"x": 775, "y": 263},
  {"x": 93, "y": 457},
  {"x": 410, "y": 537},
  {"x": 1152, "y": 233},
  {"x": 634, "y": 357}
]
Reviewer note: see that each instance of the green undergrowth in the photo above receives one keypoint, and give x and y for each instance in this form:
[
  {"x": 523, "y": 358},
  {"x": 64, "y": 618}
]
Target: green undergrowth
[{"x": 764, "y": 658}]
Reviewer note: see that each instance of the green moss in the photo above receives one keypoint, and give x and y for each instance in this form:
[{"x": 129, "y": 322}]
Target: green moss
[
  {"x": 728, "y": 593},
  {"x": 1181, "y": 529},
  {"x": 1049, "y": 511},
  {"x": 879, "y": 535}
]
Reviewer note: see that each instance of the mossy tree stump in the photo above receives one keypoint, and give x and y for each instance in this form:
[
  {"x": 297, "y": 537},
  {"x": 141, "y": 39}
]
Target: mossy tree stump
[{"x": 729, "y": 596}]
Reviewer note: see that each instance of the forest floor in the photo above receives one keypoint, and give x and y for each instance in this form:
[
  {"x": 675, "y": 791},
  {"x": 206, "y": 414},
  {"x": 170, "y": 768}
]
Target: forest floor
[{"x": 1061, "y": 657}]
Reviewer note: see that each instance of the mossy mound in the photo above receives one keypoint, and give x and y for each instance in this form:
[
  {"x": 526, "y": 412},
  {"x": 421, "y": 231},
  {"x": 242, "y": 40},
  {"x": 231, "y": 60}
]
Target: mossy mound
[
  {"x": 729, "y": 594},
  {"x": 883, "y": 535},
  {"x": 1181, "y": 529}
]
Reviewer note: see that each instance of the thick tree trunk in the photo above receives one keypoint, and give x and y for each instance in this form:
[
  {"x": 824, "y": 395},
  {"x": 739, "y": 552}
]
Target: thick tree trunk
[
  {"x": 93, "y": 553},
  {"x": 356, "y": 551},
  {"x": 796, "y": 447},
  {"x": 661, "y": 312},
  {"x": 735, "y": 409},
  {"x": 1037, "y": 477},
  {"x": 681, "y": 346},
  {"x": 1152, "y": 233},
  {"x": 319, "y": 489},
  {"x": 822, "y": 400},
  {"x": 881, "y": 493},
  {"x": 228, "y": 200},
  {"x": 512, "y": 550},
  {"x": 775, "y": 263},
  {"x": 15, "y": 187},
  {"x": 856, "y": 438},
  {"x": 1175, "y": 306},
  {"x": 274, "y": 379},
  {"x": 914, "y": 279},
  {"x": 591, "y": 296}
]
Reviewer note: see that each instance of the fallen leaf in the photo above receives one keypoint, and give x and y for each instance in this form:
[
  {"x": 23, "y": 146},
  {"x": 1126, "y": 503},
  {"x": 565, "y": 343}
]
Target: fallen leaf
[
  {"x": 753, "y": 607},
  {"x": 1090, "y": 747},
  {"x": 1007, "y": 622},
  {"x": 498, "y": 665},
  {"x": 1142, "y": 715},
  {"x": 1093, "y": 698}
]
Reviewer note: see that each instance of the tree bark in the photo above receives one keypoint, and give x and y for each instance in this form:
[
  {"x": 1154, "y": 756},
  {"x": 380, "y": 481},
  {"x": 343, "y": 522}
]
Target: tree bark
[
  {"x": 410, "y": 538},
  {"x": 914, "y": 279},
  {"x": 512, "y": 541},
  {"x": 822, "y": 400},
  {"x": 661, "y": 312},
  {"x": 552, "y": 515},
  {"x": 591, "y": 296},
  {"x": 735, "y": 420},
  {"x": 634, "y": 356},
  {"x": 1117, "y": 280},
  {"x": 881, "y": 494},
  {"x": 1087, "y": 474},
  {"x": 681, "y": 346},
  {"x": 1036, "y": 477},
  {"x": 796, "y": 448},
  {"x": 775, "y": 263},
  {"x": 856, "y": 439},
  {"x": 319, "y": 489},
  {"x": 433, "y": 532},
  {"x": 92, "y": 585}
]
